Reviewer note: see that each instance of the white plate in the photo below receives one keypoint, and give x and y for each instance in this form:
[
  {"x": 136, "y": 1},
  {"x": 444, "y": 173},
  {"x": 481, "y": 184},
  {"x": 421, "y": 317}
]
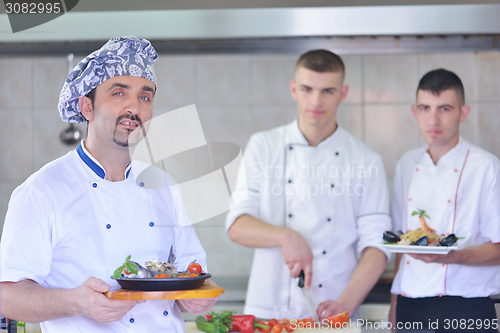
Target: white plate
[{"x": 424, "y": 249}]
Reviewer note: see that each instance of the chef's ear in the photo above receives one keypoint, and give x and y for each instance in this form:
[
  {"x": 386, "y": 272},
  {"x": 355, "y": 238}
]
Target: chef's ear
[
  {"x": 293, "y": 89},
  {"x": 343, "y": 92},
  {"x": 413, "y": 109},
  {"x": 86, "y": 107},
  {"x": 465, "y": 112}
]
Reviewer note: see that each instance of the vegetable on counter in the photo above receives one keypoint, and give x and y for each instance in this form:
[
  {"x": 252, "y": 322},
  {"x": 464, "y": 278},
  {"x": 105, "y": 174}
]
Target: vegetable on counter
[
  {"x": 241, "y": 323},
  {"x": 211, "y": 327}
]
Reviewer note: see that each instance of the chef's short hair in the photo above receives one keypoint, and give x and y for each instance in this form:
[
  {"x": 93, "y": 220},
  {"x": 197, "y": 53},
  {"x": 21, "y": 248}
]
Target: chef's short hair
[
  {"x": 322, "y": 61},
  {"x": 439, "y": 80}
]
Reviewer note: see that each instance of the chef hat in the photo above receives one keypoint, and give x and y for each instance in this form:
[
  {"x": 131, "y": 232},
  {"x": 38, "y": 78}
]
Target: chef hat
[{"x": 119, "y": 56}]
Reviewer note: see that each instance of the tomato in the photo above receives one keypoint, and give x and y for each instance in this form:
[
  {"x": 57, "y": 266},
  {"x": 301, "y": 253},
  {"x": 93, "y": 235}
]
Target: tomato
[
  {"x": 277, "y": 328},
  {"x": 289, "y": 327},
  {"x": 195, "y": 268},
  {"x": 337, "y": 320},
  {"x": 161, "y": 276},
  {"x": 273, "y": 321}
]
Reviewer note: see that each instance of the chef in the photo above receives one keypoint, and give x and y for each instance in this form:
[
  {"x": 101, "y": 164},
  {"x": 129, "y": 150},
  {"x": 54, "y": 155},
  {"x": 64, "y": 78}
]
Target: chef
[
  {"x": 74, "y": 222},
  {"x": 317, "y": 202},
  {"x": 458, "y": 185}
]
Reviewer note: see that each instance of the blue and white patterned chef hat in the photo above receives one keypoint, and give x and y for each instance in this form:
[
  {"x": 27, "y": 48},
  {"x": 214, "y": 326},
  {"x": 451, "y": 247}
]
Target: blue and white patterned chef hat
[{"x": 119, "y": 56}]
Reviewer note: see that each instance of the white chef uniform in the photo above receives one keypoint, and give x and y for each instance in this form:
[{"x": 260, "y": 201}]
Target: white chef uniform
[
  {"x": 461, "y": 195},
  {"x": 66, "y": 223},
  {"x": 334, "y": 194}
]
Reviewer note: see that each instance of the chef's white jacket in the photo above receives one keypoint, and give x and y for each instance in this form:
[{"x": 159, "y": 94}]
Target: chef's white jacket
[
  {"x": 334, "y": 194},
  {"x": 66, "y": 223},
  {"x": 461, "y": 195}
]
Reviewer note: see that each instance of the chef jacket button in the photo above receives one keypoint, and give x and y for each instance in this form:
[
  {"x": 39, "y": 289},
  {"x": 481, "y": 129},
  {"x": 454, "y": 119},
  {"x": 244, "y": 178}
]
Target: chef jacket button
[
  {"x": 456, "y": 170},
  {"x": 289, "y": 180},
  {"x": 407, "y": 262},
  {"x": 108, "y": 226},
  {"x": 416, "y": 169},
  {"x": 94, "y": 185},
  {"x": 165, "y": 313},
  {"x": 328, "y": 219},
  {"x": 151, "y": 224},
  {"x": 403, "y": 294},
  {"x": 141, "y": 184},
  {"x": 440, "y": 295},
  {"x": 442, "y": 265},
  {"x": 320, "y": 285},
  {"x": 290, "y": 147},
  {"x": 449, "y": 200},
  {"x": 290, "y": 215},
  {"x": 337, "y": 154},
  {"x": 131, "y": 320},
  {"x": 333, "y": 185},
  {"x": 324, "y": 252},
  {"x": 409, "y": 199}
]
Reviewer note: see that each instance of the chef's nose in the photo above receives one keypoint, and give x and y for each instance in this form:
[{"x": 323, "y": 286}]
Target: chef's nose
[
  {"x": 317, "y": 99},
  {"x": 133, "y": 106},
  {"x": 434, "y": 118}
]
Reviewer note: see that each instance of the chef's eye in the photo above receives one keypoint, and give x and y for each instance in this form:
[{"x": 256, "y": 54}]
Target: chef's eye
[
  {"x": 146, "y": 98},
  {"x": 329, "y": 91},
  {"x": 118, "y": 93},
  {"x": 306, "y": 89}
]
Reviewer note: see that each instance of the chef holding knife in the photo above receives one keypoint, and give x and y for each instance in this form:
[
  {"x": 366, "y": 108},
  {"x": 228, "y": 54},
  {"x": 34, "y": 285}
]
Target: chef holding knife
[
  {"x": 73, "y": 222},
  {"x": 458, "y": 185},
  {"x": 317, "y": 203}
]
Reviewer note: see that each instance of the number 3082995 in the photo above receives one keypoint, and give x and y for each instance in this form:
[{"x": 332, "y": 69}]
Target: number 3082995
[{"x": 32, "y": 8}]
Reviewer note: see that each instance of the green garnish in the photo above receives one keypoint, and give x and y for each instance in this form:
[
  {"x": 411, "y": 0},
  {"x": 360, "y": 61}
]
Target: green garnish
[
  {"x": 129, "y": 266},
  {"x": 420, "y": 212}
]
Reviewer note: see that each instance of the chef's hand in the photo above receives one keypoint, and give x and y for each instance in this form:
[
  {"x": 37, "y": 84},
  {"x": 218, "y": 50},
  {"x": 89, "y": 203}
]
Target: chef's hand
[
  {"x": 298, "y": 255},
  {"x": 329, "y": 309},
  {"x": 450, "y": 258},
  {"x": 92, "y": 303},
  {"x": 198, "y": 306}
]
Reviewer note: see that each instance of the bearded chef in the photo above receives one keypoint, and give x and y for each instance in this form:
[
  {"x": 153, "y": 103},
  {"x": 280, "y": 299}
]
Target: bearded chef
[
  {"x": 73, "y": 222},
  {"x": 317, "y": 202},
  {"x": 458, "y": 185}
]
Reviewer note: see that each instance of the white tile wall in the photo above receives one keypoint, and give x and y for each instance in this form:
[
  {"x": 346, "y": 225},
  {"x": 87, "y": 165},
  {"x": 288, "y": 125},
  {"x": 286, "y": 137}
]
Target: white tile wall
[{"x": 238, "y": 95}]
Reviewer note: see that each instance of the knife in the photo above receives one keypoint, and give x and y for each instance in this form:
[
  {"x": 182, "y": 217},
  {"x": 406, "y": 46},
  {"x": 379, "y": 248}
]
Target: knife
[{"x": 311, "y": 305}]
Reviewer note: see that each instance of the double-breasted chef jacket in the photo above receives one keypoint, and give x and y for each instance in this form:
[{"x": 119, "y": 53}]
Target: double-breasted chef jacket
[
  {"x": 66, "y": 223},
  {"x": 334, "y": 194},
  {"x": 461, "y": 195}
]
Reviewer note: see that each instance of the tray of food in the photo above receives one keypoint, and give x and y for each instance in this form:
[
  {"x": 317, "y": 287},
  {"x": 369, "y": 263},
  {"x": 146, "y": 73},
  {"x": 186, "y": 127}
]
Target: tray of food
[
  {"x": 161, "y": 280},
  {"x": 422, "y": 240}
]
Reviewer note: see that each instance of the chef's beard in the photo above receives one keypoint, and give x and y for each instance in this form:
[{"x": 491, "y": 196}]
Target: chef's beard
[{"x": 127, "y": 143}]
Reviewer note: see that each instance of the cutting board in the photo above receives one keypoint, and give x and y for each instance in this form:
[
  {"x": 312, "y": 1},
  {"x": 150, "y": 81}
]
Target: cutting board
[
  {"x": 191, "y": 328},
  {"x": 202, "y": 292}
]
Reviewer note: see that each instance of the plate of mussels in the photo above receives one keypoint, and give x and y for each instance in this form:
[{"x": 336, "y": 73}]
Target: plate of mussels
[
  {"x": 159, "y": 276},
  {"x": 417, "y": 242}
]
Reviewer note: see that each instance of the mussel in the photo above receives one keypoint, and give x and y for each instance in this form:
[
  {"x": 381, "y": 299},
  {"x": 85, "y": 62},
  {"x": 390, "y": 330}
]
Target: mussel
[
  {"x": 448, "y": 240},
  {"x": 391, "y": 237},
  {"x": 422, "y": 241}
]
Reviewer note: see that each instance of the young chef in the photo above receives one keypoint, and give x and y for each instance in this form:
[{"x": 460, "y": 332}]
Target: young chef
[
  {"x": 73, "y": 222},
  {"x": 458, "y": 185},
  {"x": 317, "y": 199}
]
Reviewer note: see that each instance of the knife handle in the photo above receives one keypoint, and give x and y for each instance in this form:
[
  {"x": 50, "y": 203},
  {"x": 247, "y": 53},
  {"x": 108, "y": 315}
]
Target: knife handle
[{"x": 301, "y": 279}]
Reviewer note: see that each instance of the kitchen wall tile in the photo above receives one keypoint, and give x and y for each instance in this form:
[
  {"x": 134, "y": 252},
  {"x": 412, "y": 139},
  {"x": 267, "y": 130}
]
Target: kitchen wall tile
[
  {"x": 214, "y": 238},
  {"x": 353, "y": 78},
  {"x": 461, "y": 63},
  {"x": 48, "y": 80},
  {"x": 350, "y": 117},
  {"x": 391, "y": 130},
  {"x": 224, "y": 80},
  {"x": 47, "y": 132},
  {"x": 230, "y": 263},
  {"x": 16, "y": 145},
  {"x": 6, "y": 189},
  {"x": 469, "y": 129},
  {"x": 390, "y": 78},
  {"x": 16, "y": 84},
  {"x": 489, "y": 123},
  {"x": 176, "y": 76},
  {"x": 488, "y": 68},
  {"x": 228, "y": 124},
  {"x": 271, "y": 75}
]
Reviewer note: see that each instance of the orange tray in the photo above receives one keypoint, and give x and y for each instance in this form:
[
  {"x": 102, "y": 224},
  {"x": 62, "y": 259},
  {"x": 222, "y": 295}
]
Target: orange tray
[{"x": 202, "y": 292}]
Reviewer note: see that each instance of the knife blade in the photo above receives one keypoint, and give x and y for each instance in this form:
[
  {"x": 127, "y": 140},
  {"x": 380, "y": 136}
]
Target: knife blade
[{"x": 311, "y": 305}]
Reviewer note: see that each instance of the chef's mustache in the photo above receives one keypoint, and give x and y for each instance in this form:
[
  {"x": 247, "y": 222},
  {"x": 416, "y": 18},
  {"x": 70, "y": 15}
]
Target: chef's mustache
[{"x": 131, "y": 117}]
